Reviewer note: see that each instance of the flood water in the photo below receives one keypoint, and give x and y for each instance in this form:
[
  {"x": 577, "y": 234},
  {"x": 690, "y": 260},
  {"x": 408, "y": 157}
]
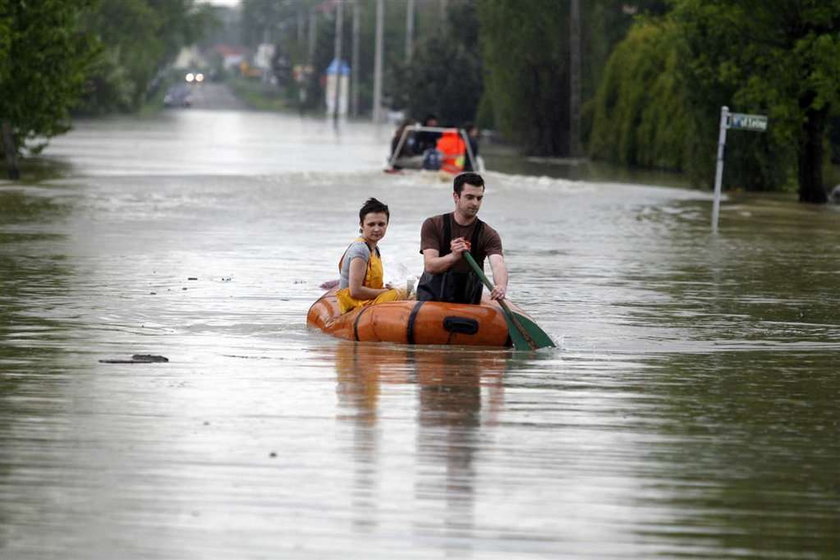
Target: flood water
[{"x": 690, "y": 410}]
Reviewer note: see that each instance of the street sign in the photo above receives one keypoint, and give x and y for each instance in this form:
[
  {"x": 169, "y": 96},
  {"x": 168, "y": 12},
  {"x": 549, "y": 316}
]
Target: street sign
[
  {"x": 737, "y": 121},
  {"x": 742, "y": 121}
]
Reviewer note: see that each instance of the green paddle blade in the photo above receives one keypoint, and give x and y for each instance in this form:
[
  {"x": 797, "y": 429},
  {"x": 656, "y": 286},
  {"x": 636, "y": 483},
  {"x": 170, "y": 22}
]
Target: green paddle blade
[
  {"x": 524, "y": 333},
  {"x": 516, "y": 337},
  {"x": 538, "y": 336}
]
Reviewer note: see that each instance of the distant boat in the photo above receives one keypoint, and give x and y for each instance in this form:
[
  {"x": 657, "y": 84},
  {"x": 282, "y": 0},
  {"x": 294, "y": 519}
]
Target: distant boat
[{"x": 417, "y": 162}]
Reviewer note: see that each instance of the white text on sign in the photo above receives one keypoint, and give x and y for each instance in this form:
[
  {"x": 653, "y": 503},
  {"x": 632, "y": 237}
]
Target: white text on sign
[{"x": 747, "y": 122}]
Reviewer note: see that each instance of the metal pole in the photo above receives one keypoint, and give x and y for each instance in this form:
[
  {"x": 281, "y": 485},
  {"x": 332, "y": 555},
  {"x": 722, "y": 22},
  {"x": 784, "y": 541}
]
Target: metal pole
[
  {"x": 409, "y": 30},
  {"x": 339, "y": 25},
  {"x": 313, "y": 32},
  {"x": 724, "y": 116},
  {"x": 266, "y": 71},
  {"x": 354, "y": 62},
  {"x": 574, "y": 80},
  {"x": 377, "y": 62},
  {"x": 300, "y": 28}
]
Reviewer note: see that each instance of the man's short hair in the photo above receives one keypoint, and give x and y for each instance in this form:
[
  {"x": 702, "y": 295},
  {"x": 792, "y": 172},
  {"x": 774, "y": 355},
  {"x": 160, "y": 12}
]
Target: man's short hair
[{"x": 462, "y": 179}]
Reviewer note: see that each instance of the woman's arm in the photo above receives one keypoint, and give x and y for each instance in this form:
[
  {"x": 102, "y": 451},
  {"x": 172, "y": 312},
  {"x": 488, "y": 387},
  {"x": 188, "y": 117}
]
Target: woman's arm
[{"x": 358, "y": 269}]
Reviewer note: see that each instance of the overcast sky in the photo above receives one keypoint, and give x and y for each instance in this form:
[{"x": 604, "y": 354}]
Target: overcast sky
[{"x": 221, "y": 2}]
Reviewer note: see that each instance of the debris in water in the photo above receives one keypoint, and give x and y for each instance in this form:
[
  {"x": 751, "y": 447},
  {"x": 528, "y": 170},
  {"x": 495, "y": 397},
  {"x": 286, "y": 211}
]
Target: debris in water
[{"x": 138, "y": 359}]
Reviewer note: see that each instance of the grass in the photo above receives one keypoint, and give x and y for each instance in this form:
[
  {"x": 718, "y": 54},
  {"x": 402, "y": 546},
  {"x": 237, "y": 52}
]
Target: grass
[{"x": 257, "y": 95}]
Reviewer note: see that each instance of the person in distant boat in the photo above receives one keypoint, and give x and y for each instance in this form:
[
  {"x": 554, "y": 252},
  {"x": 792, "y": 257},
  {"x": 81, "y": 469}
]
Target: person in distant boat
[
  {"x": 406, "y": 158},
  {"x": 426, "y": 139},
  {"x": 472, "y": 136},
  {"x": 444, "y": 239},
  {"x": 361, "y": 269},
  {"x": 452, "y": 149}
]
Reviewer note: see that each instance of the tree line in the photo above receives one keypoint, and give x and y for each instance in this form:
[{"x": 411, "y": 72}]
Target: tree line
[
  {"x": 654, "y": 79},
  {"x": 654, "y": 73},
  {"x": 659, "y": 101},
  {"x": 82, "y": 56}
]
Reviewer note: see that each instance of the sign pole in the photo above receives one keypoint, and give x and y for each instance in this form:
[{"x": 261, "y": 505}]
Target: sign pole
[{"x": 724, "y": 116}]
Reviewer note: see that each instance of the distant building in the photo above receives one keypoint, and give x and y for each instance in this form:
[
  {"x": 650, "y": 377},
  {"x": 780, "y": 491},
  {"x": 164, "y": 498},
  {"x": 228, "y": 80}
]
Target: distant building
[
  {"x": 232, "y": 55},
  {"x": 190, "y": 57}
]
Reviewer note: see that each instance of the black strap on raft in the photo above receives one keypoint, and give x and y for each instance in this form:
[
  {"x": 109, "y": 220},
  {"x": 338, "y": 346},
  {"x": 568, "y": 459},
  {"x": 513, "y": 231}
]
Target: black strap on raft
[
  {"x": 356, "y": 322},
  {"x": 412, "y": 318}
]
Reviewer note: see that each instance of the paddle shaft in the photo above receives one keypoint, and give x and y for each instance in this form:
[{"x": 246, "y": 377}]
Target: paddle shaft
[{"x": 511, "y": 317}]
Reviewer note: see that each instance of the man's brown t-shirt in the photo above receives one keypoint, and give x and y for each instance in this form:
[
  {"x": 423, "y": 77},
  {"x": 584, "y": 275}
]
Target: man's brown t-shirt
[{"x": 431, "y": 237}]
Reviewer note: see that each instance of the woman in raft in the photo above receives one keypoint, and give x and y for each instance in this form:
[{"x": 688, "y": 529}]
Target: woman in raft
[{"x": 361, "y": 266}]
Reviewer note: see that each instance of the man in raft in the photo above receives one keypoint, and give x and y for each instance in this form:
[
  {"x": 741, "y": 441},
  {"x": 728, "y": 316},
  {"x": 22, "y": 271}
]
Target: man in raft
[
  {"x": 444, "y": 239},
  {"x": 361, "y": 266}
]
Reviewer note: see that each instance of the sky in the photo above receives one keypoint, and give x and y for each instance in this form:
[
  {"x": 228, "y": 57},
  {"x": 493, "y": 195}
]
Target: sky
[{"x": 229, "y": 3}]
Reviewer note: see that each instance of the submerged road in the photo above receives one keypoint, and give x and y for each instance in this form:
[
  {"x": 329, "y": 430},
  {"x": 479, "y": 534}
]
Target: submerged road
[
  {"x": 689, "y": 411},
  {"x": 215, "y": 96}
]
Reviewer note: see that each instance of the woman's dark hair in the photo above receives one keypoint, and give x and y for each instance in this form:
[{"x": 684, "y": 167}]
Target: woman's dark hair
[
  {"x": 473, "y": 179},
  {"x": 373, "y": 205}
]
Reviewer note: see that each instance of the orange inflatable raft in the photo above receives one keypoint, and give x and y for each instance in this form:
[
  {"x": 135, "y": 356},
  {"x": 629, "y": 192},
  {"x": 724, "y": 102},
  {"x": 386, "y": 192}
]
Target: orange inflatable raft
[{"x": 413, "y": 322}]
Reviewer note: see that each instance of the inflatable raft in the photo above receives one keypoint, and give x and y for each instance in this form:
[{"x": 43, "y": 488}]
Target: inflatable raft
[{"x": 413, "y": 322}]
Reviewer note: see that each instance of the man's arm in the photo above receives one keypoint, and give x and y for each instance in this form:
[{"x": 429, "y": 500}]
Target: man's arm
[
  {"x": 500, "y": 276},
  {"x": 433, "y": 263}
]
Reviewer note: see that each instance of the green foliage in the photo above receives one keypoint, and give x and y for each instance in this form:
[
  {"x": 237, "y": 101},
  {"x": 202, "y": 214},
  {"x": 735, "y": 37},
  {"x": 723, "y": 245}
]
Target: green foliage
[
  {"x": 444, "y": 77},
  {"x": 526, "y": 60},
  {"x": 5, "y": 46},
  {"x": 140, "y": 37},
  {"x": 659, "y": 101},
  {"x": 258, "y": 95},
  {"x": 527, "y": 71},
  {"x": 43, "y": 62},
  {"x": 639, "y": 115},
  {"x": 781, "y": 59}
]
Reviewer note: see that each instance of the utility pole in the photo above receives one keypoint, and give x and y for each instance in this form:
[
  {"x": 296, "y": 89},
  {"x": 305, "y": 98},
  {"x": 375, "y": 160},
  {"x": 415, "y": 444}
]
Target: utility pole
[
  {"x": 354, "y": 62},
  {"x": 300, "y": 27},
  {"x": 339, "y": 37},
  {"x": 313, "y": 34},
  {"x": 409, "y": 30},
  {"x": 377, "y": 62},
  {"x": 575, "y": 149}
]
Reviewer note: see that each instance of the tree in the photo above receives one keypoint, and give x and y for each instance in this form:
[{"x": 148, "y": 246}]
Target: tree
[
  {"x": 444, "y": 76},
  {"x": 527, "y": 71},
  {"x": 527, "y": 61},
  {"x": 779, "y": 58},
  {"x": 140, "y": 37},
  {"x": 640, "y": 114},
  {"x": 43, "y": 61}
]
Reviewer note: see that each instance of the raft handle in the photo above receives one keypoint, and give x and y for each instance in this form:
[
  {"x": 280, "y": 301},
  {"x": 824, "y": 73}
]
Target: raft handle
[{"x": 462, "y": 325}]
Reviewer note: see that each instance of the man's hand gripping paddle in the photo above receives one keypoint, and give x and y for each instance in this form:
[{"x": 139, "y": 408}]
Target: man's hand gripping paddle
[{"x": 524, "y": 333}]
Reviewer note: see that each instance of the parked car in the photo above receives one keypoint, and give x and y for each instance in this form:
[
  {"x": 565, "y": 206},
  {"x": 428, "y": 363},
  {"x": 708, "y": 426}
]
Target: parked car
[{"x": 178, "y": 95}]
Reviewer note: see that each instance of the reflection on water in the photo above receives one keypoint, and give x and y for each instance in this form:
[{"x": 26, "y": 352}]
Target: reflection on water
[
  {"x": 451, "y": 416},
  {"x": 691, "y": 409}
]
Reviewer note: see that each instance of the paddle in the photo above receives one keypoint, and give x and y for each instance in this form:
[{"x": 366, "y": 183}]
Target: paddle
[{"x": 524, "y": 333}]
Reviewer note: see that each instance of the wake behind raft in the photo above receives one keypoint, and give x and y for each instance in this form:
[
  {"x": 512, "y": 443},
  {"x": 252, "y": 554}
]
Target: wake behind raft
[{"x": 414, "y": 322}]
